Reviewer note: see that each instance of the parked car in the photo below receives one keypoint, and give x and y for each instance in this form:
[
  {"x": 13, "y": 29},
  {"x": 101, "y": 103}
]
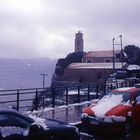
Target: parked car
[
  {"x": 118, "y": 111},
  {"x": 118, "y": 75},
  {"x": 15, "y": 126}
]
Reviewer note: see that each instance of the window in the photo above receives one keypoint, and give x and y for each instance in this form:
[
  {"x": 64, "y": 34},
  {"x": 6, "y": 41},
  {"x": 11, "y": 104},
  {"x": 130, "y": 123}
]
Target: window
[
  {"x": 138, "y": 97},
  {"x": 107, "y": 60},
  {"x": 126, "y": 96},
  {"x": 9, "y": 119},
  {"x": 89, "y": 61}
]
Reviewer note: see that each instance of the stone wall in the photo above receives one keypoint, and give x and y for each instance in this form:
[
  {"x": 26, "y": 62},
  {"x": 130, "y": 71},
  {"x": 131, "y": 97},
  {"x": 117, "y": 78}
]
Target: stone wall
[{"x": 86, "y": 75}]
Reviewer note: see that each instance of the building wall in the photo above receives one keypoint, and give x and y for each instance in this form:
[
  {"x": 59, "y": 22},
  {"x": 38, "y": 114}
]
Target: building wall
[
  {"x": 86, "y": 75},
  {"x": 99, "y": 60}
]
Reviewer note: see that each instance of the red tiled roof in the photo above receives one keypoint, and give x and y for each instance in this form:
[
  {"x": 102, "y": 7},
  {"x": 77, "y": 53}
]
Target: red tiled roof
[{"x": 100, "y": 54}]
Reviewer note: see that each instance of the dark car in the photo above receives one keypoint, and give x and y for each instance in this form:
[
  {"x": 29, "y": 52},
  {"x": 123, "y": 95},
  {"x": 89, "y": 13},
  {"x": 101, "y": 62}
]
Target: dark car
[
  {"x": 16, "y": 126},
  {"x": 118, "y": 75}
]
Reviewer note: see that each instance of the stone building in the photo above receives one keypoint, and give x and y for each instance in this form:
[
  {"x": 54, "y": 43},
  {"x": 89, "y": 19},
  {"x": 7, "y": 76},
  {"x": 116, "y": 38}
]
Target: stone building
[
  {"x": 79, "y": 43},
  {"x": 90, "y": 72},
  {"x": 101, "y": 57}
]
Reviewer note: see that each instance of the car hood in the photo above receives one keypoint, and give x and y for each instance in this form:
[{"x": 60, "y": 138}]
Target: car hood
[
  {"x": 108, "y": 108},
  {"x": 119, "y": 110}
]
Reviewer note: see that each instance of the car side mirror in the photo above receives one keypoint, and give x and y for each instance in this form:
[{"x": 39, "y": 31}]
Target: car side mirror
[{"x": 34, "y": 128}]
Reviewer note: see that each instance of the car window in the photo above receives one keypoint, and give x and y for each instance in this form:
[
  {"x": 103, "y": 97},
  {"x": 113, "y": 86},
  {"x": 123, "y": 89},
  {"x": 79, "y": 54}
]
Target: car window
[
  {"x": 137, "y": 97},
  {"x": 126, "y": 97},
  {"x": 120, "y": 96},
  {"x": 13, "y": 120},
  {"x": 3, "y": 119}
]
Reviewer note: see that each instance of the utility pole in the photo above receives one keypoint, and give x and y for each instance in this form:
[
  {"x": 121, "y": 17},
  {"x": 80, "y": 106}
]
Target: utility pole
[
  {"x": 113, "y": 55},
  {"x": 43, "y": 76},
  {"x": 121, "y": 49},
  {"x": 121, "y": 55}
]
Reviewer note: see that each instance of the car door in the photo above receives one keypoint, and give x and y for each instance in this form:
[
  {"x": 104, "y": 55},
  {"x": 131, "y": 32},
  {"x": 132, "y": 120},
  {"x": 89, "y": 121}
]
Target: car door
[
  {"x": 136, "y": 108},
  {"x": 12, "y": 126}
]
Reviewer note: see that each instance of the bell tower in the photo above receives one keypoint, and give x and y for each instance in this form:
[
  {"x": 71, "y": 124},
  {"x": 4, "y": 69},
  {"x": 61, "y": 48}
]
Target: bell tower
[{"x": 79, "y": 42}]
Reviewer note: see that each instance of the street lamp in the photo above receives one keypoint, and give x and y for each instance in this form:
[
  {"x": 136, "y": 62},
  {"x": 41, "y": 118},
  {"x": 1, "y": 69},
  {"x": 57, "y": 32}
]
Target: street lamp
[
  {"x": 43, "y": 75},
  {"x": 121, "y": 49},
  {"x": 113, "y": 55},
  {"x": 121, "y": 56}
]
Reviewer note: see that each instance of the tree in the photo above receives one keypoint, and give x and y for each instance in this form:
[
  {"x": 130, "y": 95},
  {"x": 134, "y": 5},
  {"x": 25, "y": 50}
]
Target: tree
[
  {"x": 133, "y": 54},
  {"x": 74, "y": 57},
  {"x": 138, "y": 58},
  {"x": 61, "y": 62},
  {"x": 70, "y": 58}
]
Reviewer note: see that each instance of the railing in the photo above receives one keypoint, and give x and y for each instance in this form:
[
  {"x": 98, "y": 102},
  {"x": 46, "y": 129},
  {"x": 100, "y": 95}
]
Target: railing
[
  {"x": 35, "y": 98},
  {"x": 18, "y": 98}
]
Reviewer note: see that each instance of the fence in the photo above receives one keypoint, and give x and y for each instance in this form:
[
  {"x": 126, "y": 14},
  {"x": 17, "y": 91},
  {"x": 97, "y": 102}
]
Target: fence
[
  {"x": 18, "y": 98},
  {"x": 34, "y": 98}
]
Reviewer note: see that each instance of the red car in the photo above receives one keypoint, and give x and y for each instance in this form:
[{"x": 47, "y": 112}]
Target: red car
[{"x": 118, "y": 111}]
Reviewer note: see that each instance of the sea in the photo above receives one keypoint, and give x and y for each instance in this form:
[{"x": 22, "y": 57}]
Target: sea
[{"x": 25, "y": 73}]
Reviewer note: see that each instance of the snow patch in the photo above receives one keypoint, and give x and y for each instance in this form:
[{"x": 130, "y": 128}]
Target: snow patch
[
  {"x": 106, "y": 104},
  {"x": 133, "y": 67},
  {"x": 87, "y": 135},
  {"x": 127, "y": 103},
  {"x": 118, "y": 118},
  {"x": 124, "y": 88},
  {"x": 40, "y": 121},
  {"x": 130, "y": 114},
  {"x": 108, "y": 119},
  {"x": 76, "y": 123},
  {"x": 11, "y": 130},
  {"x": 48, "y": 108}
]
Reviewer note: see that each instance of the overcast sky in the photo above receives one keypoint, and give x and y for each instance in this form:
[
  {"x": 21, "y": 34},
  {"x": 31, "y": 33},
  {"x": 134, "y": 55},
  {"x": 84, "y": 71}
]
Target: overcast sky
[{"x": 46, "y": 28}]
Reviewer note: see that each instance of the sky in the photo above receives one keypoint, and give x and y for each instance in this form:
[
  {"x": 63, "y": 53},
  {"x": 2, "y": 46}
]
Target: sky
[{"x": 46, "y": 28}]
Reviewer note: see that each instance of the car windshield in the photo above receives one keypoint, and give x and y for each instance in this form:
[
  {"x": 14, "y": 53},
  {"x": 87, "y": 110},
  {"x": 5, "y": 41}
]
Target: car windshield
[{"x": 121, "y": 97}]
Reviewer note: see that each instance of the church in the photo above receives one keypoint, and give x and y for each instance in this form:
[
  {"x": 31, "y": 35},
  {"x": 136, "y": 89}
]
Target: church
[{"x": 95, "y": 65}]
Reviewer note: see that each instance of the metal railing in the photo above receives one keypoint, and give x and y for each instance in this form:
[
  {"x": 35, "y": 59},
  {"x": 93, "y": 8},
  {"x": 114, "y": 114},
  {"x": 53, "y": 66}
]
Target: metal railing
[
  {"x": 35, "y": 98},
  {"x": 18, "y": 98}
]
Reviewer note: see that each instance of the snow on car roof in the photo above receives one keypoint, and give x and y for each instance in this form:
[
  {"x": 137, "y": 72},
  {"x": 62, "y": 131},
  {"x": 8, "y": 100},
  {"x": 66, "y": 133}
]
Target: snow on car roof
[
  {"x": 106, "y": 104},
  {"x": 127, "y": 89}
]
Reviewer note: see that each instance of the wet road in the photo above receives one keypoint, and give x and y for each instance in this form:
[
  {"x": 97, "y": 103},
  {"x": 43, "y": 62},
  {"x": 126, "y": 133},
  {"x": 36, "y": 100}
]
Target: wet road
[{"x": 71, "y": 114}]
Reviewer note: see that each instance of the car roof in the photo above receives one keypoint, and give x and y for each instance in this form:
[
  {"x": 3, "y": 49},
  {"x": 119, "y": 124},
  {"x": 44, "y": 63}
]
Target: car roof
[
  {"x": 126, "y": 89},
  {"x": 8, "y": 109}
]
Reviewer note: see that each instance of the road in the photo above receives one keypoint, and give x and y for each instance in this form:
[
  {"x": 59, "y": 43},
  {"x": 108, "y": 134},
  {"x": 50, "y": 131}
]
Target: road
[
  {"x": 134, "y": 135},
  {"x": 71, "y": 114}
]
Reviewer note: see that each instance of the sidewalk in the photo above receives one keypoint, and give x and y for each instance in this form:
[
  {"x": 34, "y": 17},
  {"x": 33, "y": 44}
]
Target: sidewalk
[{"x": 69, "y": 114}]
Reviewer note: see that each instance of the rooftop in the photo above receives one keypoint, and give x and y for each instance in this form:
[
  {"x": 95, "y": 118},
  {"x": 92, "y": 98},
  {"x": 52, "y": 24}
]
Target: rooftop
[
  {"x": 94, "y": 65},
  {"x": 101, "y": 53}
]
